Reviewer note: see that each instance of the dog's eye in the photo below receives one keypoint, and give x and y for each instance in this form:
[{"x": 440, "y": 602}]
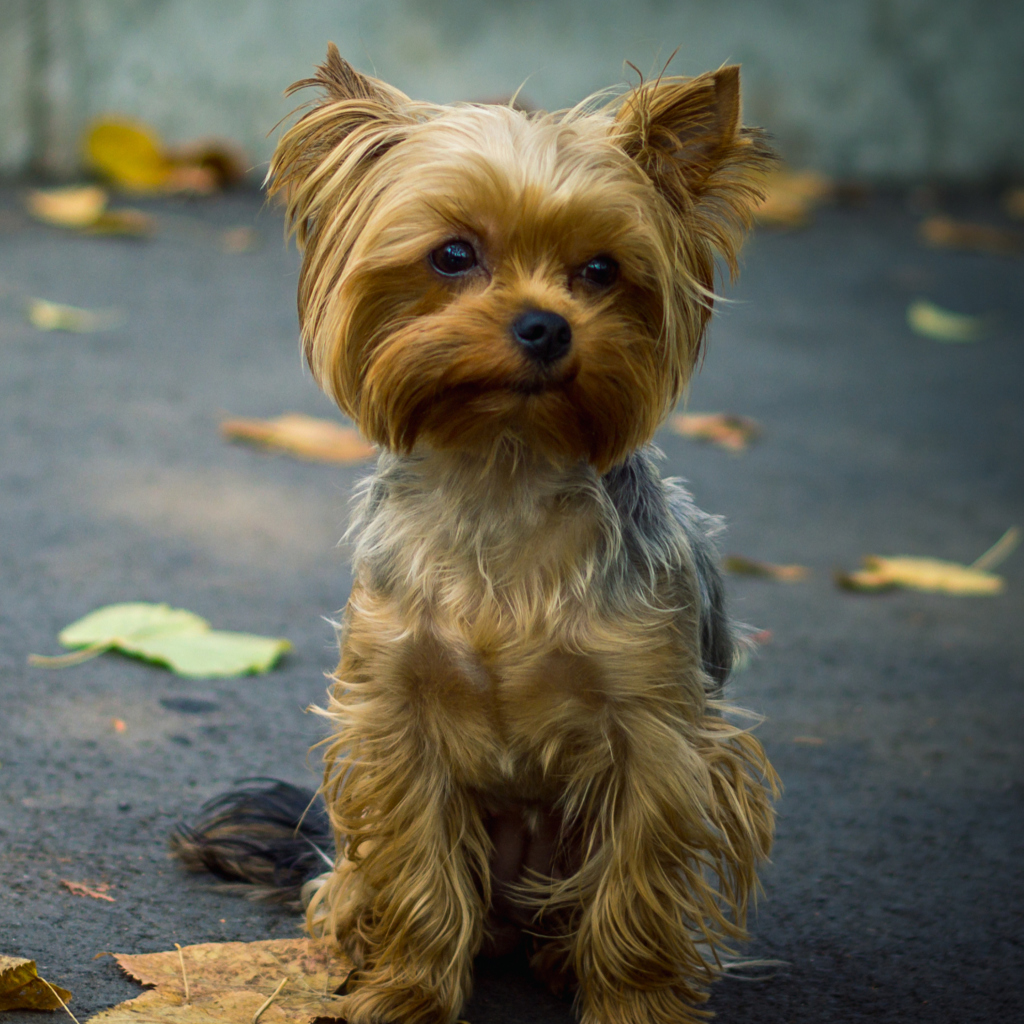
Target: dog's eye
[
  {"x": 453, "y": 258},
  {"x": 602, "y": 271}
]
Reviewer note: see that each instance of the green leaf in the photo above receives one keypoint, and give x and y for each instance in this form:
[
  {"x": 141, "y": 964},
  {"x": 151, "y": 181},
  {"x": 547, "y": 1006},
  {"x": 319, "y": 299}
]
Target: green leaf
[
  {"x": 179, "y": 639},
  {"x": 932, "y": 321}
]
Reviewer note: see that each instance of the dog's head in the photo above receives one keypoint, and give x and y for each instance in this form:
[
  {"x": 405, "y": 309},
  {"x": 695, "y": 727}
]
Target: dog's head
[{"x": 475, "y": 276}]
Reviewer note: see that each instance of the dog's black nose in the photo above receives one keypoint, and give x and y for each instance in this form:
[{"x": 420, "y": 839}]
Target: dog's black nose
[{"x": 545, "y": 336}]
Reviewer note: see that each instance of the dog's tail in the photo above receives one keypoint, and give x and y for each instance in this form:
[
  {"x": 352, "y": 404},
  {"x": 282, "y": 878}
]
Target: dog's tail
[{"x": 269, "y": 837}]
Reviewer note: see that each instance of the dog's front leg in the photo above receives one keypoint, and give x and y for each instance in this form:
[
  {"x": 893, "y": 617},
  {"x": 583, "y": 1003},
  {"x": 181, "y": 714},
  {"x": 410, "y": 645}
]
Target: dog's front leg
[
  {"x": 407, "y": 899},
  {"x": 683, "y": 819}
]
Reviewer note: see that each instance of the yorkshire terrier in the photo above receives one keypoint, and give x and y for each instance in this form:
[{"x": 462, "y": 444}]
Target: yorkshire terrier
[{"x": 528, "y": 742}]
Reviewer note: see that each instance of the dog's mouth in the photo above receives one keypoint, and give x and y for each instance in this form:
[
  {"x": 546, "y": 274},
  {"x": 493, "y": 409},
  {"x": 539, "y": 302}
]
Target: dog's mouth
[{"x": 542, "y": 381}]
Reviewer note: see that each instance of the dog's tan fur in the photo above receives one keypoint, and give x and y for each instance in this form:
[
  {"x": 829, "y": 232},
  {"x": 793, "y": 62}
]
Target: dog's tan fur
[{"x": 502, "y": 654}]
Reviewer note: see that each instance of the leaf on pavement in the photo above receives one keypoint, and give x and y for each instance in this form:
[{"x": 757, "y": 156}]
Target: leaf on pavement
[
  {"x": 94, "y": 890},
  {"x": 933, "y": 574},
  {"x": 131, "y": 155},
  {"x": 44, "y": 315},
  {"x": 230, "y": 982},
  {"x": 946, "y": 233},
  {"x": 742, "y": 566},
  {"x": 178, "y": 639},
  {"x": 21, "y": 988},
  {"x": 932, "y": 321},
  {"x": 721, "y": 428},
  {"x": 303, "y": 436},
  {"x": 791, "y": 196},
  {"x": 75, "y": 207},
  {"x": 84, "y": 208},
  {"x": 1013, "y": 202}
]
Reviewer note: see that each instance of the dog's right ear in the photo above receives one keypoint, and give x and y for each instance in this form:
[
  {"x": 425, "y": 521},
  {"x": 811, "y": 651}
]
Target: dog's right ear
[
  {"x": 355, "y": 122},
  {"x": 341, "y": 81}
]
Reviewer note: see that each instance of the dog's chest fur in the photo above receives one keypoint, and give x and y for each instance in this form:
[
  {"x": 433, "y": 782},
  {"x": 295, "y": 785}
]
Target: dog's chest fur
[{"x": 517, "y": 607}]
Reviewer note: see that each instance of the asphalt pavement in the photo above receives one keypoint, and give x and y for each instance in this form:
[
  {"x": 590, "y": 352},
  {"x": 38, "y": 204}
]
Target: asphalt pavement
[{"x": 896, "y": 890}]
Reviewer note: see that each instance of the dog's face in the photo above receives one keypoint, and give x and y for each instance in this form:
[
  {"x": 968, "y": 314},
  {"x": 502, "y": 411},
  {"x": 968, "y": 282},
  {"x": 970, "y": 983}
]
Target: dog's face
[{"x": 476, "y": 277}]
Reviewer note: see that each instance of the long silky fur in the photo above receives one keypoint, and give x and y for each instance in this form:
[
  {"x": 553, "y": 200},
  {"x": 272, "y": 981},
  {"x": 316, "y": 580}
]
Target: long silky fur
[{"x": 536, "y": 625}]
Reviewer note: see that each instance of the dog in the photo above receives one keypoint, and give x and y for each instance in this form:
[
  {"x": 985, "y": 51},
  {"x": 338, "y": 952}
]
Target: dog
[{"x": 528, "y": 742}]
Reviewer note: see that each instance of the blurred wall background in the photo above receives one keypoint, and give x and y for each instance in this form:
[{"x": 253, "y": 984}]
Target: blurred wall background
[{"x": 884, "y": 89}]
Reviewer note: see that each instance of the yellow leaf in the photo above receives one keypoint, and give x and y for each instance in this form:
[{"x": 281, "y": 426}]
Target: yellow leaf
[
  {"x": 232, "y": 982},
  {"x": 932, "y": 321},
  {"x": 742, "y": 566},
  {"x": 947, "y": 233},
  {"x": 127, "y": 153},
  {"x": 791, "y": 196},
  {"x": 75, "y": 207},
  {"x": 21, "y": 988},
  {"x": 303, "y": 436},
  {"x": 931, "y": 574},
  {"x": 725, "y": 429},
  {"x": 54, "y": 316},
  {"x": 85, "y": 209}
]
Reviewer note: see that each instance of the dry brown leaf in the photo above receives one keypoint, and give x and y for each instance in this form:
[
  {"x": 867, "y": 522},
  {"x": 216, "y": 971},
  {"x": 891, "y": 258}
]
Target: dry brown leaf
[
  {"x": 85, "y": 209},
  {"x": 947, "y": 233},
  {"x": 21, "y": 988},
  {"x": 303, "y": 436},
  {"x": 1013, "y": 202},
  {"x": 74, "y": 207},
  {"x": 930, "y": 574},
  {"x": 240, "y": 239},
  {"x": 228, "y": 983},
  {"x": 933, "y": 574},
  {"x": 791, "y": 196},
  {"x": 94, "y": 890},
  {"x": 725, "y": 429},
  {"x": 742, "y": 566}
]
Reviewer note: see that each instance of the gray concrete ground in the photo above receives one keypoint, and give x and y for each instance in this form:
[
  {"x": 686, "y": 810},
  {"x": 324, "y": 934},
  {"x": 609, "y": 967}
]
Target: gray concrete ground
[{"x": 897, "y": 886}]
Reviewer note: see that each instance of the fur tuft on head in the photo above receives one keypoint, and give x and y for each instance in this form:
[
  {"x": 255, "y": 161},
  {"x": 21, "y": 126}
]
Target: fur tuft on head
[{"x": 654, "y": 184}]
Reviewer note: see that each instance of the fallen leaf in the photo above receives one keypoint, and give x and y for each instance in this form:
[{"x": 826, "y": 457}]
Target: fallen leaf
[
  {"x": 128, "y": 153},
  {"x": 742, "y": 566},
  {"x": 809, "y": 741},
  {"x": 947, "y": 233},
  {"x": 131, "y": 155},
  {"x": 84, "y": 208},
  {"x": 725, "y": 429},
  {"x": 118, "y": 724},
  {"x": 933, "y": 574},
  {"x": 932, "y": 321},
  {"x": 240, "y": 239},
  {"x": 75, "y": 207},
  {"x": 1013, "y": 202},
  {"x": 302, "y": 436},
  {"x": 178, "y": 639},
  {"x": 21, "y": 988},
  {"x": 791, "y": 196},
  {"x": 223, "y": 162},
  {"x": 55, "y": 316},
  {"x": 94, "y": 890},
  {"x": 232, "y": 982},
  {"x": 930, "y": 574}
]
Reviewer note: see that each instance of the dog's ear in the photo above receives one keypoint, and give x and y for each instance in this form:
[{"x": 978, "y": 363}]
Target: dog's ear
[
  {"x": 686, "y": 135},
  {"x": 341, "y": 81},
  {"x": 355, "y": 121}
]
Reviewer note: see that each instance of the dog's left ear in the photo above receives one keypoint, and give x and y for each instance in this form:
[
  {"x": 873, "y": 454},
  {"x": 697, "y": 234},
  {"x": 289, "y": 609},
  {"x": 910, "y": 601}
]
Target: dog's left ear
[{"x": 686, "y": 135}]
